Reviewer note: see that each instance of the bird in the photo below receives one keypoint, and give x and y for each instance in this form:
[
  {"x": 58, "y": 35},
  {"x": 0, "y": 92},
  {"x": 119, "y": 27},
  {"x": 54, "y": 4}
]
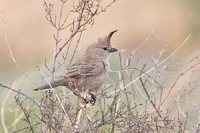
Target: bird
[{"x": 89, "y": 73}]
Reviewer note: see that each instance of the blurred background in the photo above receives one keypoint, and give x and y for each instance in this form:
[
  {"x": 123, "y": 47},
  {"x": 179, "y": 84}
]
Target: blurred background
[
  {"x": 30, "y": 35},
  {"x": 167, "y": 23}
]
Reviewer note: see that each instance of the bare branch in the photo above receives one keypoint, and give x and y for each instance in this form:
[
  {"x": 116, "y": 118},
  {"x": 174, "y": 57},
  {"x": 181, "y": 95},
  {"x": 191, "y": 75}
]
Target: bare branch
[
  {"x": 21, "y": 93},
  {"x": 175, "y": 82},
  {"x": 163, "y": 61}
]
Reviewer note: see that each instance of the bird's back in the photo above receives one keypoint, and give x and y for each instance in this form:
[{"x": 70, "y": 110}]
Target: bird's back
[{"x": 88, "y": 73}]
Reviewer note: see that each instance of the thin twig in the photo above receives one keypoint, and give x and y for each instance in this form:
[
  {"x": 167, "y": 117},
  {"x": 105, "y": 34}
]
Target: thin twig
[
  {"x": 159, "y": 64},
  {"x": 163, "y": 61},
  {"x": 10, "y": 50},
  {"x": 58, "y": 98},
  {"x": 57, "y": 39},
  {"x": 21, "y": 93},
  {"x": 17, "y": 119},
  {"x": 148, "y": 95},
  {"x": 5, "y": 99},
  {"x": 26, "y": 113},
  {"x": 24, "y": 128},
  {"x": 175, "y": 82}
]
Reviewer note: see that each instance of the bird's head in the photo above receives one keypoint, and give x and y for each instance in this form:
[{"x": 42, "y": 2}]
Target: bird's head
[{"x": 102, "y": 48}]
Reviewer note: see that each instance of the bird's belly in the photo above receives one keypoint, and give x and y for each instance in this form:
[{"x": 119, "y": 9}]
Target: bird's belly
[{"x": 93, "y": 83}]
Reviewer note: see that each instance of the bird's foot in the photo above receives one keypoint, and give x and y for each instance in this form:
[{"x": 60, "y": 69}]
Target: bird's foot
[{"x": 88, "y": 98}]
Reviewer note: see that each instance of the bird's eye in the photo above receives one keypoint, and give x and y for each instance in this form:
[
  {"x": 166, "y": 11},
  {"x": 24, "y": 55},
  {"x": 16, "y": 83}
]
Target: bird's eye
[{"x": 104, "y": 48}]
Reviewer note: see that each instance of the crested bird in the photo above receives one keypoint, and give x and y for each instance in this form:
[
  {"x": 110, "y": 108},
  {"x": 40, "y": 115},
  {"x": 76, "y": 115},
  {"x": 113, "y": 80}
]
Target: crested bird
[{"x": 89, "y": 73}]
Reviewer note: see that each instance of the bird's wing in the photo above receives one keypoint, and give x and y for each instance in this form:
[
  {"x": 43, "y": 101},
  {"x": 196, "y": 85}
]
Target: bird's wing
[{"x": 85, "y": 68}]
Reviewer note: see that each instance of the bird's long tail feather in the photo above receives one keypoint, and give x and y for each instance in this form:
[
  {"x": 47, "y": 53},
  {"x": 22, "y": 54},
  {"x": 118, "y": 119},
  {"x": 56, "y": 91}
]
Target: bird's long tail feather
[{"x": 53, "y": 84}]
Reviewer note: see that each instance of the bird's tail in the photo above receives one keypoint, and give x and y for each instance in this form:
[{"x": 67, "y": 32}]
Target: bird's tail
[{"x": 60, "y": 82}]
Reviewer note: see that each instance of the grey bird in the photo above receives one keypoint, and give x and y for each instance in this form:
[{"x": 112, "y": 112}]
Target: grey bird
[{"x": 89, "y": 73}]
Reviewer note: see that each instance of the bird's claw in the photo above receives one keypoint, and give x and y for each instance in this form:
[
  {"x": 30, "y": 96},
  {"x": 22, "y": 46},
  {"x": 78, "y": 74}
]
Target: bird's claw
[{"x": 89, "y": 98}]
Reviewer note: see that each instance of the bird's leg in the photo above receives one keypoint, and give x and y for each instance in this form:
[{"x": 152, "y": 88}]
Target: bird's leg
[
  {"x": 93, "y": 98},
  {"x": 88, "y": 98}
]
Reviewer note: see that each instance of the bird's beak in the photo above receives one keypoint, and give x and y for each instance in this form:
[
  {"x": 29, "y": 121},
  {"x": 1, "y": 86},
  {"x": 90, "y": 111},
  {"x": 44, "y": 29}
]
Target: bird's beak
[{"x": 112, "y": 50}]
